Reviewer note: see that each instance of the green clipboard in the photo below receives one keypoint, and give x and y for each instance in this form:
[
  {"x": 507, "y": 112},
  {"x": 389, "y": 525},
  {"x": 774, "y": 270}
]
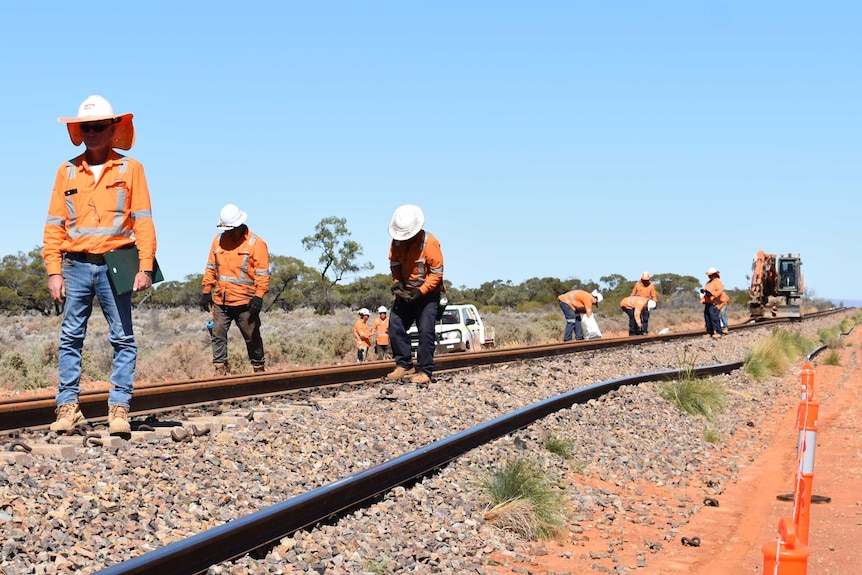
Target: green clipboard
[{"x": 123, "y": 267}]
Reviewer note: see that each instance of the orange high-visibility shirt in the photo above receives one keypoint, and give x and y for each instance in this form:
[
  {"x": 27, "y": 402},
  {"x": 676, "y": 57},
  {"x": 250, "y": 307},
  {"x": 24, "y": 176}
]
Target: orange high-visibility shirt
[
  {"x": 380, "y": 330},
  {"x": 362, "y": 333},
  {"x": 716, "y": 288},
  {"x": 723, "y": 300},
  {"x": 99, "y": 216},
  {"x": 237, "y": 272},
  {"x": 417, "y": 263},
  {"x": 579, "y": 300},
  {"x": 647, "y": 291}
]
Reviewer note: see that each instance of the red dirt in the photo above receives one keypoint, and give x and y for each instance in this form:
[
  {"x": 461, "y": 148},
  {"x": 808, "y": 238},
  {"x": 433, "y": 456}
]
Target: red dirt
[{"x": 748, "y": 513}]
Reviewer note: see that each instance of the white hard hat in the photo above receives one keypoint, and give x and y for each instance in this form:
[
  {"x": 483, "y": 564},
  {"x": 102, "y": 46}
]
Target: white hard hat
[
  {"x": 364, "y": 311},
  {"x": 650, "y": 305},
  {"x": 595, "y": 293},
  {"x": 382, "y": 309},
  {"x": 646, "y": 276},
  {"x": 711, "y": 271},
  {"x": 95, "y": 109},
  {"x": 406, "y": 222},
  {"x": 230, "y": 217}
]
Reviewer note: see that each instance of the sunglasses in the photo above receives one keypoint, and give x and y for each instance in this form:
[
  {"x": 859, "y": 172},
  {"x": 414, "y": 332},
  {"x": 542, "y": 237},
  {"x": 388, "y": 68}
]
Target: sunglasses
[{"x": 95, "y": 127}]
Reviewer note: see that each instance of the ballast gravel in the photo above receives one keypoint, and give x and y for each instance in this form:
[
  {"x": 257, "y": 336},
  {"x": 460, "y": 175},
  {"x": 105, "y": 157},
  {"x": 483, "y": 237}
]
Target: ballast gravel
[{"x": 110, "y": 503}]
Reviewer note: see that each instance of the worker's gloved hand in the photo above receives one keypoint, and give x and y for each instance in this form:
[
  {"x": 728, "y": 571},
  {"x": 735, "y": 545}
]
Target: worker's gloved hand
[
  {"x": 412, "y": 295},
  {"x": 206, "y": 301},
  {"x": 254, "y": 305},
  {"x": 707, "y": 293},
  {"x": 396, "y": 287}
]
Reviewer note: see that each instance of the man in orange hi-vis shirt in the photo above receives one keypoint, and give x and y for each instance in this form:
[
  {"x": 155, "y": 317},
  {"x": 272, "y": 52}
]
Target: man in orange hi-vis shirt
[
  {"x": 635, "y": 306},
  {"x": 380, "y": 333},
  {"x": 235, "y": 281},
  {"x": 645, "y": 288},
  {"x": 100, "y": 202},
  {"x": 574, "y": 303},
  {"x": 416, "y": 264},
  {"x": 711, "y": 298},
  {"x": 362, "y": 335}
]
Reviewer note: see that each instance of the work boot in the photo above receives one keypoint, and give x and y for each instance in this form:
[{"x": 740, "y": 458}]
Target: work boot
[
  {"x": 258, "y": 369},
  {"x": 421, "y": 378},
  {"x": 68, "y": 416},
  {"x": 220, "y": 369},
  {"x": 118, "y": 420},
  {"x": 400, "y": 372},
  {"x": 716, "y": 336}
]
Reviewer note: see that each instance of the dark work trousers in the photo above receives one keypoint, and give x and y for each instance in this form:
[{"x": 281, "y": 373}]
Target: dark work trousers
[
  {"x": 711, "y": 319},
  {"x": 633, "y": 325},
  {"x": 381, "y": 351},
  {"x": 644, "y": 322},
  {"x": 423, "y": 311},
  {"x": 573, "y": 323},
  {"x": 249, "y": 326}
]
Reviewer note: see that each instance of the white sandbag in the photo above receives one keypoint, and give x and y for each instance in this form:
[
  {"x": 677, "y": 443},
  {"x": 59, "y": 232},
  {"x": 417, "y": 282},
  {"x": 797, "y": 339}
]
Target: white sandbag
[{"x": 591, "y": 327}]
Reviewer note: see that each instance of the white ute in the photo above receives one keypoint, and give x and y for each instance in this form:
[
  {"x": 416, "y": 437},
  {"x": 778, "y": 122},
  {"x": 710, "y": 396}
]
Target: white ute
[{"x": 460, "y": 329}]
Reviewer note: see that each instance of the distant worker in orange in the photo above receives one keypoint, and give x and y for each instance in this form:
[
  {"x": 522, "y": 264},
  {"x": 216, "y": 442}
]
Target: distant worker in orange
[
  {"x": 380, "y": 333},
  {"x": 235, "y": 280},
  {"x": 362, "y": 335},
  {"x": 635, "y": 307},
  {"x": 722, "y": 306},
  {"x": 416, "y": 264},
  {"x": 575, "y": 303},
  {"x": 710, "y": 297},
  {"x": 645, "y": 288}
]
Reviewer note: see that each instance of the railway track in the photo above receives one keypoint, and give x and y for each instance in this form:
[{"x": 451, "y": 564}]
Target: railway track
[
  {"x": 259, "y": 529},
  {"x": 157, "y": 397}
]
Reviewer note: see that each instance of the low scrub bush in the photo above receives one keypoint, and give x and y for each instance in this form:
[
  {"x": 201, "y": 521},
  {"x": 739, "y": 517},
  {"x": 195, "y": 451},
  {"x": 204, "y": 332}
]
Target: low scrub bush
[{"x": 522, "y": 501}]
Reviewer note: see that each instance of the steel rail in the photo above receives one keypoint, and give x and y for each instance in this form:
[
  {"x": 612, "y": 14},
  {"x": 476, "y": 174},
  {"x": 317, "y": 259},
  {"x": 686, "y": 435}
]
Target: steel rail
[
  {"x": 239, "y": 537},
  {"x": 156, "y": 397}
]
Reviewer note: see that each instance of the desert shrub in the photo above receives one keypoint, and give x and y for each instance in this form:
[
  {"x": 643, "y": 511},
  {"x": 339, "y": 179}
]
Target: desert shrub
[
  {"x": 189, "y": 358},
  {"x": 832, "y": 358},
  {"x": 775, "y": 354},
  {"x": 711, "y": 435},
  {"x": 522, "y": 500},
  {"x": 559, "y": 445},
  {"x": 794, "y": 345},
  {"x": 703, "y": 397},
  {"x": 517, "y": 328},
  {"x": 529, "y": 306},
  {"x": 829, "y": 337}
]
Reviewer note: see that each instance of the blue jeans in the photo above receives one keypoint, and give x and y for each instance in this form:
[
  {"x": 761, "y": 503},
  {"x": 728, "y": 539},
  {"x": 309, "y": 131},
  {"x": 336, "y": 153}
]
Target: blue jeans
[
  {"x": 711, "y": 319},
  {"x": 573, "y": 323},
  {"x": 83, "y": 282},
  {"x": 424, "y": 312},
  {"x": 722, "y": 314}
]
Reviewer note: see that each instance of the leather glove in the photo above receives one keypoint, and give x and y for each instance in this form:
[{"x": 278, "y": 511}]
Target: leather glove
[
  {"x": 401, "y": 294},
  {"x": 206, "y": 301},
  {"x": 254, "y": 305},
  {"x": 396, "y": 287},
  {"x": 412, "y": 295}
]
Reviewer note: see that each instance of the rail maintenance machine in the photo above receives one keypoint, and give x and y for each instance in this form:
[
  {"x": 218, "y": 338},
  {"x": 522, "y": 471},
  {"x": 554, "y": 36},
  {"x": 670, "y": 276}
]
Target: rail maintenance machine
[{"x": 777, "y": 286}]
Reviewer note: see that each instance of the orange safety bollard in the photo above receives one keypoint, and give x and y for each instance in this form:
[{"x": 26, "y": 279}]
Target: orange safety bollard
[
  {"x": 804, "y": 480},
  {"x": 807, "y": 385},
  {"x": 785, "y": 555}
]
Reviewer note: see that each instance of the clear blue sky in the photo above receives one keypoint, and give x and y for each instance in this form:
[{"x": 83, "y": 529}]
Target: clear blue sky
[{"x": 565, "y": 139}]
